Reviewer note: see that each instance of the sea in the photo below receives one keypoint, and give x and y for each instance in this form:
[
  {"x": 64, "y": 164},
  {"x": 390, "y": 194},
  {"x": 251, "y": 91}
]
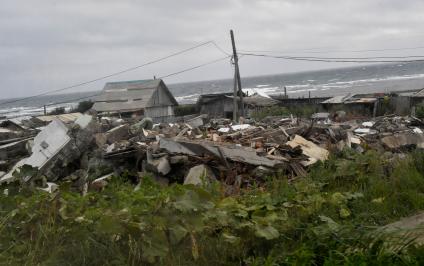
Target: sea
[{"x": 330, "y": 82}]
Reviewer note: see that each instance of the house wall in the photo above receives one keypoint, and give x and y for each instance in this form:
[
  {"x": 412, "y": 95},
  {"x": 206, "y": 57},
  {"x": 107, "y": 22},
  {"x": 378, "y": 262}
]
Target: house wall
[
  {"x": 160, "y": 97},
  {"x": 353, "y": 109},
  {"x": 401, "y": 105},
  {"x": 219, "y": 108},
  {"x": 159, "y": 112},
  {"x": 161, "y": 105}
]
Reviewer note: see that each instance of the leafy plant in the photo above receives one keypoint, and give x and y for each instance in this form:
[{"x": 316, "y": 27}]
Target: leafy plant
[{"x": 332, "y": 216}]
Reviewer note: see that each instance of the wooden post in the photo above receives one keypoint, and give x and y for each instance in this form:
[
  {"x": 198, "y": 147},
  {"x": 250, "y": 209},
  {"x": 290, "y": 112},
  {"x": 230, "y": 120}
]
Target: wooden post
[
  {"x": 45, "y": 110},
  {"x": 235, "y": 105},
  {"x": 237, "y": 72},
  {"x": 285, "y": 92}
]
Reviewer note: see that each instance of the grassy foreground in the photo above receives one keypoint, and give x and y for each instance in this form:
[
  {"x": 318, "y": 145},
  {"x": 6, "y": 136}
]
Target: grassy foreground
[{"x": 330, "y": 217}]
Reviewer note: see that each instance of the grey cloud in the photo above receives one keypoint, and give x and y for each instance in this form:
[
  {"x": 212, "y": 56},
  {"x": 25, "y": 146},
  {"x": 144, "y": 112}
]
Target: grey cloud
[{"x": 47, "y": 44}]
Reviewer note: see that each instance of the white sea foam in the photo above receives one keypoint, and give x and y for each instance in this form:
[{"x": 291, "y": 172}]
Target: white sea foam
[
  {"x": 28, "y": 111},
  {"x": 192, "y": 98},
  {"x": 263, "y": 85},
  {"x": 261, "y": 91}
]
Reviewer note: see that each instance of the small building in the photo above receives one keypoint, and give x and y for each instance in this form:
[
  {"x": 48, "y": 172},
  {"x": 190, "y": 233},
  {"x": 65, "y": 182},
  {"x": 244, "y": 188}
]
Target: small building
[
  {"x": 148, "y": 98},
  {"x": 217, "y": 105},
  {"x": 352, "y": 105},
  {"x": 417, "y": 98},
  {"x": 257, "y": 102},
  {"x": 222, "y": 104}
]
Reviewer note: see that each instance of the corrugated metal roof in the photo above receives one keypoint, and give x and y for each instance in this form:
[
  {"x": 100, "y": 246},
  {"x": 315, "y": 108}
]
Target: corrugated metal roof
[
  {"x": 65, "y": 118},
  {"x": 206, "y": 98},
  {"x": 133, "y": 84},
  {"x": 258, "y": 100},
  {"x": 127, "y": 96},
  {"x": 337, "y": 99},
  {"x": 361, "y": 100},
  {"x": 419, "y": 93}
]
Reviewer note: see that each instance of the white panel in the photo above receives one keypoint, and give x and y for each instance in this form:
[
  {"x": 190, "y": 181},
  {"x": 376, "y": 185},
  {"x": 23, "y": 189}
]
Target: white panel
[{"x": 48, "y": 143}]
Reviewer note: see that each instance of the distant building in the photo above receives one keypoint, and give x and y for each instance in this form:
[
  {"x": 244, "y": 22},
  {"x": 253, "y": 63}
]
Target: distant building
[
  {"x": 222, "y": 104},
  {"x": 352, "y": 104},
  {"x": 217, "y": 105},
  {"x": 256, "y": 102},
  {"x": 417, "y": 97},
  {"x": 149, "y": 98}
]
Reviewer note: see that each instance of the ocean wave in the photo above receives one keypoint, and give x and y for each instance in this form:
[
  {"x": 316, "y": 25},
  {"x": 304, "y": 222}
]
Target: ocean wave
[
  {"x": 28, "y": 111},
  {"x": 261, "y": 91},
  {"x": 263, "y": 85},
  {"x": 371, "y": 80},
  {"x": 187, "y": 99},
  {"x": 346, "y": 84}
]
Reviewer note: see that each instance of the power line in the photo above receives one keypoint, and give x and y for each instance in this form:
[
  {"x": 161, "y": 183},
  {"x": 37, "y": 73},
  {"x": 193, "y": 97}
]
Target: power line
[
  {"x": 359, "y": 58},
  {"x": 219, "y": 48},
  {"x": 148, "y": 81},
  {"x": 73, "y": 100},
  {"x": 332, "y": 60},
  {"x": 113, "y": 74},
  {"x": 332, "y": 51},
  {"x": 195, "y": 67}
]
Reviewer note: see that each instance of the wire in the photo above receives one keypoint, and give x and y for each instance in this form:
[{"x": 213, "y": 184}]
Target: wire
[
  {"x": 111, "y": 75},
  {"x": 73, "y": 100},
  {"x": 149, "y": 81},
  {"x": 195, "y": 67},
  {"x": 332, "y": 60},
  {"x": 360, "y": 58},
  {"x": 334, "y": 51},
  {"x": 219, "y": 48}
]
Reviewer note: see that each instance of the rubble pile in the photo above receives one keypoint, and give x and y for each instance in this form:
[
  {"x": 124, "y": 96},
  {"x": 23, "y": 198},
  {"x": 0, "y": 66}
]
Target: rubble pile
[{"x": 89, "y": 151}]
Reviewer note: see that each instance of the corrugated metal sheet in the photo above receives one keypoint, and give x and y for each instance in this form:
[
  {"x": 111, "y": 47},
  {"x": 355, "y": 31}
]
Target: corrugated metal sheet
[
  {"x": 133, "y": 84},
  {"x": 337, "y": 99},
  {"x": 361, "y": 100},
  {"x": 419, "y": 93},
  {"x": 258, "y": 100},
  {"x": 65, "y": 118}
]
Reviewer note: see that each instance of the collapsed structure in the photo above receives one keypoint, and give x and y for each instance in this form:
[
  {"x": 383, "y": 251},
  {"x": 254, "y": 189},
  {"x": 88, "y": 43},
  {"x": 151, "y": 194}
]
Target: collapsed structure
[{"x": 90, "y": 151}]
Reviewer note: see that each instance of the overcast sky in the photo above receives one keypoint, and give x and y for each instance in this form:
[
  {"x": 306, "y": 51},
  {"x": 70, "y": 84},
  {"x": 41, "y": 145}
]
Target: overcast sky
[{"x": 46, "y": 44}]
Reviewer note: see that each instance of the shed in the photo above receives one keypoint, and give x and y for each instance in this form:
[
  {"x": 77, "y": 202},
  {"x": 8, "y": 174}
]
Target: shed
[
  {"x": 150, "y": 98},
  {"x": 257, "y": 100},
  {"x": 417, "y": 98},
  {"x": 352, "y": 104},
  {"x": 217, "y": 105},
  {"x": 256, "y": 103}
]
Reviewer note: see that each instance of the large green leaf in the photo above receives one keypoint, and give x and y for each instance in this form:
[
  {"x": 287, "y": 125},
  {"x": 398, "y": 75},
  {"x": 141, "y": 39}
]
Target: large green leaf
[
  {"x": 177, "y": 233},
  {"x": 268, "y": 232}
]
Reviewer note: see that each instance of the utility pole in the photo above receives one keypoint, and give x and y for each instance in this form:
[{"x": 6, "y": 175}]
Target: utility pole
[
  {"x": 235, "y": 106},
  {"x": 237, "y": 73}
]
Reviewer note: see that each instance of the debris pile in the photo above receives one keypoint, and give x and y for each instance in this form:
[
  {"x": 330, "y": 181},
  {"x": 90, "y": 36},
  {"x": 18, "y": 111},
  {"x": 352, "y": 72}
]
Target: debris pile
[{"x": 89, "y": 151}]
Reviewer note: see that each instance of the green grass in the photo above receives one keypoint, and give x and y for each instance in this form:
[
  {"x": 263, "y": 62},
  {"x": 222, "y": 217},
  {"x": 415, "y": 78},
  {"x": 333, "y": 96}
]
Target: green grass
[
  {"x": 330, "y": 217},
  {"x": 300, "y": 111}
]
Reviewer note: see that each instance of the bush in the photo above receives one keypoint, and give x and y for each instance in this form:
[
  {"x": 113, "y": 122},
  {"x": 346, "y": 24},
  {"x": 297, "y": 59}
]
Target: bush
[
  {"x": 185, "y": 109},
  {"x": 419, "y": 111},
  {"x": 57, "y": 111},
  {"x": 326, "y": 218},
  {"x": 270, "y": 111},
  {"x": 83, "y": 106},
  {"x": 297, "y": 111}
]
